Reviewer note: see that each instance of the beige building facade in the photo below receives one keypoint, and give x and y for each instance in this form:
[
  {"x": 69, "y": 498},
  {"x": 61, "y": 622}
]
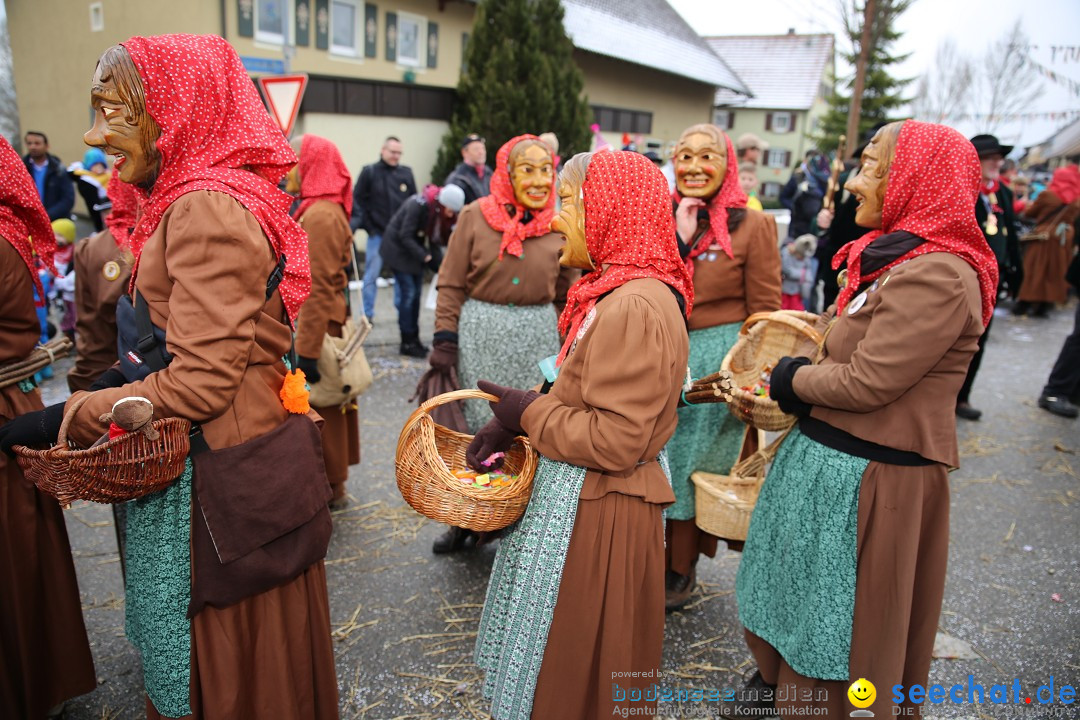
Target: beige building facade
[{"x": 375, "y": 68}]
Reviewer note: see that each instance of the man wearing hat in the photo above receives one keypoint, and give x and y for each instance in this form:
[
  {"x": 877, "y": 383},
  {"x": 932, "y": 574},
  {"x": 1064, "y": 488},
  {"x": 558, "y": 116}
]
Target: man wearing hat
[
  {"x": 994, "y": 212},
  {"x": 748, "y": 148},
  {"x": 472, "y": 175}
]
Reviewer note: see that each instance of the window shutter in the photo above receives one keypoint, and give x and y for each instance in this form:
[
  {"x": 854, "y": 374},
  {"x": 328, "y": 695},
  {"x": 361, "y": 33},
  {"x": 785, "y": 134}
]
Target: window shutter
[
  {"x": 787, "y": 158},
  {"x": 768, "y": 121},
  {"x": 730, "y": 120},
  {"x": 791, "y": 122}
]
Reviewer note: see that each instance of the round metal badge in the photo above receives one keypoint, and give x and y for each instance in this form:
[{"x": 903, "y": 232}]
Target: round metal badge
[{"x": 111, "y": 270}]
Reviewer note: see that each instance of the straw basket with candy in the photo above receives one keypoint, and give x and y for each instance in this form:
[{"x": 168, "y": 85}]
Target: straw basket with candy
[
  {"x": 435, "y": 480},
  {"x": 129, "y": 463},
  {"x": 745, "y": 373},
  {"x": 724, "y": 503}
]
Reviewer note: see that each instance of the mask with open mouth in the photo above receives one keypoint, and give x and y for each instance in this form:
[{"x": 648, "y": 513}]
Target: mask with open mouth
[
  {"x": 700, "y": 163},
  {"x": 872, "y": 180}
]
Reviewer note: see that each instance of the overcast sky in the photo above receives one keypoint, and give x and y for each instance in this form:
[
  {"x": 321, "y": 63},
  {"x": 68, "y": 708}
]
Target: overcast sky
[{"x": 972, "y": 24}]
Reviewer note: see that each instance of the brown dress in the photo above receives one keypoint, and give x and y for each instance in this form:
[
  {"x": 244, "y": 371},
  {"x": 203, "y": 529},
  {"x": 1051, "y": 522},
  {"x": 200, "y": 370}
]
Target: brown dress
[
  {"x": 1045, "y": 261},
  {"x": 102, "y": 274},
  {"x": 325, "y": 311},
  {"x": 726, "y": 290},
  {"x": 472, "y": 269},
  {"x": 609, "y": 616},
  {"x": 202, "y": 273},
  {"x": 891, "y": 374},
  {"x": 44, "y": 652}
]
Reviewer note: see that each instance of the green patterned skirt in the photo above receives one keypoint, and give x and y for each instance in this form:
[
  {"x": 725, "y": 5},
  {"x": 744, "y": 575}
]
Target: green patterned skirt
[
  {"x": 524, "y": 588},
  {"x": 502, "y": 344},
  {"x": 708, "y": 437},
  {"x": 158, "y": 562},
  {"x": 796, "y": 581}
]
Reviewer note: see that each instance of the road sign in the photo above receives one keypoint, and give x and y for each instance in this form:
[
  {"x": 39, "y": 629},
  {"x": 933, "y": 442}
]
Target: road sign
[
  {"x": 263, "y": 65},
  {"x": 283, "y": 95}
]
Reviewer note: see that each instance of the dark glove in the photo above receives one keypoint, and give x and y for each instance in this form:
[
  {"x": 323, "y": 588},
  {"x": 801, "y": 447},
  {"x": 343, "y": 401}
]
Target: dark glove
[
  {"x": 492, "y": 438},
  {"x": 443, "y": 355},
  {"x": 511, "y": 404},
  {"x": 40, "y": 427},
  {"x": 310, "y": 366},
  {"x": 781, "y": 389},
  {"x": 111, "y": 378}
]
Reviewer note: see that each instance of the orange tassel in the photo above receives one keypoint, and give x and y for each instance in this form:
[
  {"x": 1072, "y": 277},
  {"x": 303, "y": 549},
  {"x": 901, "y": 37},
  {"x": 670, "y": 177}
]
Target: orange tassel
[{"x": 294, "y": 393}]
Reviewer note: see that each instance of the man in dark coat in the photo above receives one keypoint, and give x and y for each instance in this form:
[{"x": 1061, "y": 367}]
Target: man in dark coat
[
  {"x": 994, "y": 212},
  {"x": 804, "y": 193},
  {"x": 414, "y": 240},
  {"x": 472, "y": 175},
  {"x": 53, "y": 184},
  {"x": 380, "y": 190}
]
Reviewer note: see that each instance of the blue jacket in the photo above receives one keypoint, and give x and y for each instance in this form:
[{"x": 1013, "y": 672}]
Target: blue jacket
[{"x": 59, "y": 190}]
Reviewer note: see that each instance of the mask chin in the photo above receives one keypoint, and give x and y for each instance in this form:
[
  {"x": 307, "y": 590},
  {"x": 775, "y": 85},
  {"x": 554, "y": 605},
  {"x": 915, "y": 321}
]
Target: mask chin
[{"x": 576, "y": 255}]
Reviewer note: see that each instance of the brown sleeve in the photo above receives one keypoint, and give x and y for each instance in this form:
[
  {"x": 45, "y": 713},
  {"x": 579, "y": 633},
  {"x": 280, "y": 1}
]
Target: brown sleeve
[
  {"x": 567, "y": 277},
  {"x": 454, "y": 272},
  {"x": 615, "y": 428},
  {"x": 1046, "y": 202},
  {"x": 326, "y": 250},
  {"x": 19, "y": 328},
  {"x": 921, "y": 314},
  {"x": 762, "y": 272},
  {"x": 218, "y": 262}
]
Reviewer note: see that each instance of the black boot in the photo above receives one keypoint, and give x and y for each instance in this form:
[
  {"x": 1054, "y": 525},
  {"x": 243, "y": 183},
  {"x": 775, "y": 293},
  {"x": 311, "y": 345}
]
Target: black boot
[
  {"x": 411, "y": 346},
  {"x": 453, "y": 540},
  {"x": 756, "y": 699},
  {"x": 678, "y": 589}
]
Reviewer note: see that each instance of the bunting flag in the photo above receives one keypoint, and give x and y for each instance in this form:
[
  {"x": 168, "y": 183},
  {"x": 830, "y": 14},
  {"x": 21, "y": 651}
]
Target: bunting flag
[{"x": 1072, "y": 85}]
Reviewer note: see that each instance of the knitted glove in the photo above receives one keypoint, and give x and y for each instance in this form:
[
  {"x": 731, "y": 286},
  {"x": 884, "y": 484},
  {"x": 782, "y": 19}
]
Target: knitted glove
[
  {"x": 492, "y": 438},
  {"x": 443, "y": 355},
  {"x": 40, "y": 427},
  {"x": 780, "y": 386},
  {"x": 511, "y": 404}
]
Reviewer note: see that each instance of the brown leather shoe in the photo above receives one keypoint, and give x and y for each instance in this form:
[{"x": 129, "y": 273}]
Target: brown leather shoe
[{"x": 679, "y": 589}]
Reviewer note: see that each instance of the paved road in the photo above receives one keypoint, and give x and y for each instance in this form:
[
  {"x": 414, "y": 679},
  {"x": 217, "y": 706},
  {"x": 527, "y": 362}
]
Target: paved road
[{"x": 404, "y": 620}]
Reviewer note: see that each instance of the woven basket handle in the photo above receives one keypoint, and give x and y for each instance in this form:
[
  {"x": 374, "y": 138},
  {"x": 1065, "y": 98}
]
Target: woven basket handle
[
  {"x": 795, "y": 320},
  {"x": 452, "y": 396},
  {"x": 61, "y": 440}
]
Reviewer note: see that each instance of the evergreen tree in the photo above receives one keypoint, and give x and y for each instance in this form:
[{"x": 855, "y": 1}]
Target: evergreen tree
[
  {"x": 520, "y": 77},
  {"x": 882, "y": 92}
]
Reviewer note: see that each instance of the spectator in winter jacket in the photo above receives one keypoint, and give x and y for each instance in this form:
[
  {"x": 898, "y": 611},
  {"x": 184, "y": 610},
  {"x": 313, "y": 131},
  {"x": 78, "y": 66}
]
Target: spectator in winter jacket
[
  {"x": 414, "y": 239},
  {"x": 805, "y": 191},
  {"x": 53, "y": 184},
  {"x": 379, "y": 192},
  {"x": 797, "y": 272},
  {"x": 472, "y": 175}
]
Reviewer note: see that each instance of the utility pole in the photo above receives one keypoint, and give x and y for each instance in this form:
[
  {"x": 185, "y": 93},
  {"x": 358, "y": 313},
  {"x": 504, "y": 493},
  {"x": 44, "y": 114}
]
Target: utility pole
[{"x": 869, "y": 11}]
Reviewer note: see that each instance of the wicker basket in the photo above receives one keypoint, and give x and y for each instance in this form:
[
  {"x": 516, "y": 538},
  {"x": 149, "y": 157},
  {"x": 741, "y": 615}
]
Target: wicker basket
[
  {"x": 763, "y": 339},
  {"x": 426, "y": 451},
  {"x": 122, "y": 469},
  {"x": 724, "y": 503}
]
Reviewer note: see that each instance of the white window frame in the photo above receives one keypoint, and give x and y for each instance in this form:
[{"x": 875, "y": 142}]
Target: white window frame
[
  {"x": 774, "y": 158},
  {"x": 273, "y": 38},
  {"x": 771, "y": 190},
  {"x": 787, "y": 117},
  {"x": 359, "y": 31},
  {"x": 420, "y": 59},
  {"x": 724, "y": 113},
  {"x": 97, "y": 17}
]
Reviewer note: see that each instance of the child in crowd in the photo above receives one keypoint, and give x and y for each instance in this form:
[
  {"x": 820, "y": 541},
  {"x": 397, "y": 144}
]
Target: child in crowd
[
  {"x": 798, "y": 275},
  {"x": 749, "y": 181},
  {"x": 64, "y": 285}
]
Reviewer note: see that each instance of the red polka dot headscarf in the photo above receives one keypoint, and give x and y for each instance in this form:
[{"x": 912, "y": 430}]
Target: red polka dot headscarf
[
  {"x": 216, "y": 135},
  {"x": 23, "y": 220},
  {"x": 323, "y": 175},
  {"x": 730, "y": 195},
  {"x": 630, "y": 228},
  {"x": 125, "y": 209},
  {"x": 932, "y": 190},
  {"x": 496, "y": 206}
]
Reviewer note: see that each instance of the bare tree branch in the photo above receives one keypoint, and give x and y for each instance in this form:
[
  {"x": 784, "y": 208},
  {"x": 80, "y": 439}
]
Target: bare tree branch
[
  {"x": 943, "y": 93},
  {"x": 9, "y": 116},
  {"x": 1006, "y": 84}
]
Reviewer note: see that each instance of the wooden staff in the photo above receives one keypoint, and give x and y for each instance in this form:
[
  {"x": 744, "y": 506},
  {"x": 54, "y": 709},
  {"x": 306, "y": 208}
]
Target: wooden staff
[{"x": 834, "y": 176}]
